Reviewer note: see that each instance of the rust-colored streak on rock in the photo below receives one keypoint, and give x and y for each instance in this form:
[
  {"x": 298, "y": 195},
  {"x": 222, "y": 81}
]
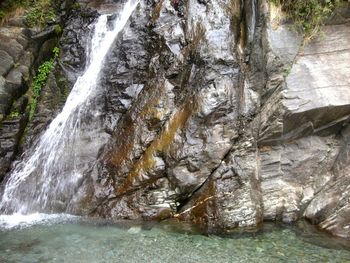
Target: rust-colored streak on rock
[
  {"x": 156, "y": 11},
  {"x": 121, "y": 153},
  {"x": 201, "y": 210},
  {"x": 150, "y": 109},
  {"x": 161, "y": 144},
  {"x": 125, "y": 138}
]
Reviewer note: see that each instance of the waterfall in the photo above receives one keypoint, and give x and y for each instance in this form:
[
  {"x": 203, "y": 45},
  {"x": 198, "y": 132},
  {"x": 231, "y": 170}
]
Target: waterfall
[{"x": 50, "y": 172}]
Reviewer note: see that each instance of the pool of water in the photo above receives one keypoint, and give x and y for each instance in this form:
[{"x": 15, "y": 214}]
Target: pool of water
[{"x": 72, "y": 239}]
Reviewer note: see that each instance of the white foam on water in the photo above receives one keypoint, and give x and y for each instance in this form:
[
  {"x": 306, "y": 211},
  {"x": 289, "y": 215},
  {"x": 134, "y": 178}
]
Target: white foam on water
[{"x": 18, "y": 220}]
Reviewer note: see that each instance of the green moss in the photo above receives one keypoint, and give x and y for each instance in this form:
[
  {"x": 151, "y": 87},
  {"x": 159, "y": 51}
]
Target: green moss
[
  {"x": 58, "y": 30},
  {"x": 2, "y": 14},
  {"x": 286, "y": 71},
  {"x": 76, "y": 6},
  {"x": 14, "y": 114},
  {"x": 40, "y": 80},
  {"x": 309, "y": 15}
]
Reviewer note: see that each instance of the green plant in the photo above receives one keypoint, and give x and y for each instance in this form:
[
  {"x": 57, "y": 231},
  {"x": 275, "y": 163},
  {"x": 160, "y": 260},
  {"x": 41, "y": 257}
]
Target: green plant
[
  {"x": 38, "y": 17},
  {"x": 308, "y": 15},
  {"x": 76, "y": 5},
  {"x": 58, "y": 29},
  {"x": 2, "y": 14},
  {"x": 56, "y": 52},
  {"x": 14, "y": 114},
  {"x": 286, "y": 71},
  {"x": 40, "y": 12},
  {"x": 40, "y": 80},
  {"x": 10, "y": 8}
]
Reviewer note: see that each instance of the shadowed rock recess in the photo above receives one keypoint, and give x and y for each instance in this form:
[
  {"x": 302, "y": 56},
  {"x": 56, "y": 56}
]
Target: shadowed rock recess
[{"x": 219, "y": 115}]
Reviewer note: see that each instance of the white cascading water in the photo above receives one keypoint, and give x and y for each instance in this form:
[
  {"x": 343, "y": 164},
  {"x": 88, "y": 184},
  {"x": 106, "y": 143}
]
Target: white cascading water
[{"x": 47, "y": 177}]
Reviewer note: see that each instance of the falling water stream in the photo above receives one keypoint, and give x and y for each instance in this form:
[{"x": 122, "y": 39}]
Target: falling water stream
[{"x": 48, "y": 175}]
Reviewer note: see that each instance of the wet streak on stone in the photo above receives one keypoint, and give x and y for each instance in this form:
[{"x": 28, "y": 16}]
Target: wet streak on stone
[
  {"x": 119, "y": 155},
  {"x": 202, "y": 211},
  {"x": 125, "y": 137},
  {"x": 145, "y": 164},
  {"x": 156, "y": 11}
]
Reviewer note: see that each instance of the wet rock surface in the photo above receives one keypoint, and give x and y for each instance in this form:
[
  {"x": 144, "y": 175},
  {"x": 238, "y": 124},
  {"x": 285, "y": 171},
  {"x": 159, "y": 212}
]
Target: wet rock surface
[
  {"x": 217, "y": 119},
  {"x": 16, "y": 61},
  {"x": 215, "y": 114}
]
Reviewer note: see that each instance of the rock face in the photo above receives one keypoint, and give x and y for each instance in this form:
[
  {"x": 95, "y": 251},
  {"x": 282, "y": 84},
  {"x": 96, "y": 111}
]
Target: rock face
[
  {"x": 222, "y": 117},
  {"x": 219, "y": 115},
  {"x": 16, "y": 61}
]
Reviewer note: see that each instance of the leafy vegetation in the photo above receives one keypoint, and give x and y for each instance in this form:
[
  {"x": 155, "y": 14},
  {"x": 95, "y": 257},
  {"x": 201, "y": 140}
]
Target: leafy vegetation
[
  {"x": 40, "y": 80},
  {"x": 58, "y": 29},
  {"x": 38, "y": 12},
  {"x": 14, "y": 114},
  {"x": 2, "y": 14},
  {"x": 9, "y": 8},
  {"x": 76, "y": 5},
  {"x": 308, "y": 15},
  {"x": 9, "y": 5}
]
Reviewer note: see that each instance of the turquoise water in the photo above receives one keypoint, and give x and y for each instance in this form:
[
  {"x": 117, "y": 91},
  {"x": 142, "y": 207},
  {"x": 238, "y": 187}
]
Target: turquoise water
[{"x": 83, "y": 240}]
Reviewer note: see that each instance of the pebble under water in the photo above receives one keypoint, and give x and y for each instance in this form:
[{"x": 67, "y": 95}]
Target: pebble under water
[{"x": 85, "y": 240}]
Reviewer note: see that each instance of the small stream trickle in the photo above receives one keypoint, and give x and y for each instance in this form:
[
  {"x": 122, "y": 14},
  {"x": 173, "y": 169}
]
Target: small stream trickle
[{"x": 48, "y": 175}]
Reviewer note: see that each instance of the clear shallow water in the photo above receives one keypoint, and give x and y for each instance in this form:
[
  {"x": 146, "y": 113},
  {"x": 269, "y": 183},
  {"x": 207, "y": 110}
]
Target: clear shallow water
[{"x": 70, "y": 239}]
